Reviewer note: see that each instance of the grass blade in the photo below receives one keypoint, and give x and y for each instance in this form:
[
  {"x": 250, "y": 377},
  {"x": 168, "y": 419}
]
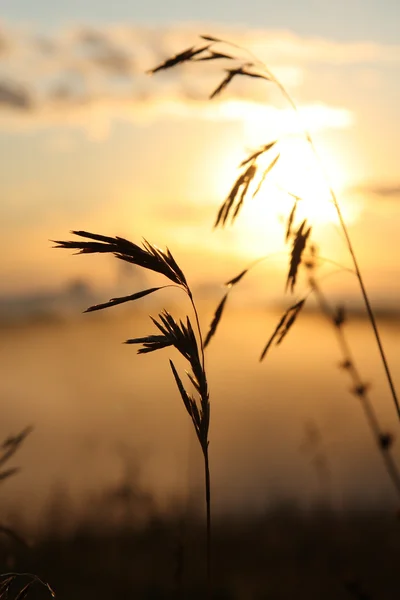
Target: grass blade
[
  {"x": 290, "y": 221},
  {"x": 151, "y": 343},
  {"x": 223, "y": 84},
  {"x": 258, "y": 153},
  {"x": 216, "y": 320},
  {"x": 182, "y": 391},
  {"x": 210, "y": 38},
  {"x": 116, "y": 301},
  {"x": 273, "y": 336},
  {"x": 283, "y": 326},
  {"x": 236, "y": 279},
  {"x": 291, "y": 317},
  {"x": 265, "y": 173},
  {"x": 214, "y": 56},
  {"x": 299, "y": 245},
  {"x": 183, "y": 56}
]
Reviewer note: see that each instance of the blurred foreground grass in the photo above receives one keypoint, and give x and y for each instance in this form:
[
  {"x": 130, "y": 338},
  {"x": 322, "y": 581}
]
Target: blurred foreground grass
[{"x": 286, "y": 553}]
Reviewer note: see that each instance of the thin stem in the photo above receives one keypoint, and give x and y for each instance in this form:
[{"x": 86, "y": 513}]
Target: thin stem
[
  {"x": 206, "y": 458},
  {"x": 366, "y": 403},
  {"x": 208, "y": 509},
  {"x": 343, "y": 225},
  {"x": 188, "y": 292},
  {"x": 196, "y": 315},
  {"x": 256, "y": 262},
  {"x": 349, "y": 246}
]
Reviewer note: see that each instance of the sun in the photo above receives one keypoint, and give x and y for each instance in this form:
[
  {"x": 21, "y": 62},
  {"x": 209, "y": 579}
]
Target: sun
[{"x": 299, "y": 177}]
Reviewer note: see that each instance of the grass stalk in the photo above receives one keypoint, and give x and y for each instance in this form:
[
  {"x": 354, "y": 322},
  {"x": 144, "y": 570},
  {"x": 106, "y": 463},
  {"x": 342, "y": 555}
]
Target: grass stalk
[
  {"x": 208, "y": 511},
  {"x": 360, "y": 387},
  {"x": 180, "y": 335},
  {"x": 257, "y": 69},
  {"x": 350, "y": 248}
]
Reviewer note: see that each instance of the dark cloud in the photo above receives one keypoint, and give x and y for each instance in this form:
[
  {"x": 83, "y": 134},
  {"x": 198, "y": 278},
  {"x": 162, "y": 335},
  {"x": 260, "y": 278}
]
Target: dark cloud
[
  {"x": 99, "y": 48},
  {"x": 14, "y": 96},
  {"x": 91, "y": 37},
  {"x": 385, "y": 191},
  {"x": 114, "y": 61}
]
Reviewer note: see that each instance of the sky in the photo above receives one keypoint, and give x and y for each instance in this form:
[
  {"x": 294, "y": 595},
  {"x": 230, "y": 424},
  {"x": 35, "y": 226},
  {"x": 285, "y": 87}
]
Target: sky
[
  {"x": 344, "y": 20},
  {"x": 89, "y": 140}
]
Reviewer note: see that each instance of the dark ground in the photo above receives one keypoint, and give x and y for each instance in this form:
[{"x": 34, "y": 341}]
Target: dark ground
[{"x": 286, "y": 554}]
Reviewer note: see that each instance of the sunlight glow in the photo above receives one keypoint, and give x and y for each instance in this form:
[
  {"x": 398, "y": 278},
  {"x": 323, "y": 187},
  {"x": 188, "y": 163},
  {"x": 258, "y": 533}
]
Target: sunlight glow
[{"x": 296, "y": 178}]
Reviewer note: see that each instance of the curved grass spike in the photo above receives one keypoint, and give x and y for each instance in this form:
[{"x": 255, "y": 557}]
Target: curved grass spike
[
  {"x": 179, "y": 335},
  {"x": 299, "y": 244},
  {"x": 256, "y": 68},
  {"x": 229, "y": 285},
  {"x": 284, "y": 325}
]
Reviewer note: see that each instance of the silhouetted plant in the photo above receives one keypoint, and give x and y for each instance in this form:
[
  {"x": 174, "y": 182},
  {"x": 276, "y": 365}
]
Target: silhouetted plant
[
  {"x": 7, "y": 450},
  {"x": 15, "y": 586},
  {"x": 299, "y": 238},
  {"x": 250, "y": 66},
  {"x": 179, "y": 335}
]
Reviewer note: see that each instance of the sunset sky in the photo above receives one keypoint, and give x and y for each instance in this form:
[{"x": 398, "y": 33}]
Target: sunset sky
[{"x": 88, "y": 140}]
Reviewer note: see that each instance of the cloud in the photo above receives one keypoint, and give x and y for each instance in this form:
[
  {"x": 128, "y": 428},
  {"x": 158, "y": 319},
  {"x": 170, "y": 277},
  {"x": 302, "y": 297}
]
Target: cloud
[
  {"x": 15, "y": 97},
  {"x": 384, "y": 191},
  {"x": 87, "y": 76}
]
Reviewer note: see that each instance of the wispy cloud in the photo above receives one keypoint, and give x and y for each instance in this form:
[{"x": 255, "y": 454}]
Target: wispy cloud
[{"x": 92, "y": 75}]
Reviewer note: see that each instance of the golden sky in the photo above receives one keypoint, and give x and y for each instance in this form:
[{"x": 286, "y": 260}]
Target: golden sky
[{"x": 88, "y": 140}]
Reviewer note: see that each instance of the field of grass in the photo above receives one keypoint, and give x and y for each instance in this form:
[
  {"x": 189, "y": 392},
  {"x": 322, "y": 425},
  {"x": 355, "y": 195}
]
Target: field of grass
[{"x": 285, "y": 553}]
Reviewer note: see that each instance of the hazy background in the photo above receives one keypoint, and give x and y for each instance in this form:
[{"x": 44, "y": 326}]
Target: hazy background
[{"x": 89, "y": 141}]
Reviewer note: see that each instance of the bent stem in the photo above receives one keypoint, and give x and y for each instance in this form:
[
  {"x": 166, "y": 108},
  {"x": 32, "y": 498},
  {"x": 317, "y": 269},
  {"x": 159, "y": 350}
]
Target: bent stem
[
  {"x": 349, "y": 244},
  {"x": 196, "y": 316},
  {"x": 240, "y": 188},
  {"x": 383, "y": 440}
]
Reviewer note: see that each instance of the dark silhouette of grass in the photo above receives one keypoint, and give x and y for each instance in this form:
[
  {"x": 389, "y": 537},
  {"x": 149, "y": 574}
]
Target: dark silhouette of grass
[
  {"x": 250, "y": 66},
  {"x": 190, "y": 345},
  {"x": 170, "y": 333},
  {"x": 16, "y": 586},
  {"x": 301, "y": 241},
  {"x": 285, "y": 552}
]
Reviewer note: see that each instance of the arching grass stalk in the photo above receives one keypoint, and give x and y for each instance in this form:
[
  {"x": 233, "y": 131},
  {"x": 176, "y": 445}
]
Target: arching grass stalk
[
  {"x": 248, "y": 65},
  {"x": 337, "y": 318},
  {"x": 169, "y": 332},
  {"x": 350, "y": 248},
  {"x": 360, "y": 388}
]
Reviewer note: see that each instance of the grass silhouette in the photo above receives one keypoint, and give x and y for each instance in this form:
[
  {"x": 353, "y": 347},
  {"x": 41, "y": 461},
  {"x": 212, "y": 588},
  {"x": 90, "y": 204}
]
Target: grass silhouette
[
  {"x": 248, "y": 65},
  {"x": 180, "y": 335},
  {"x": 303, "y": 254},
  {"x": 186, "y": 338}
]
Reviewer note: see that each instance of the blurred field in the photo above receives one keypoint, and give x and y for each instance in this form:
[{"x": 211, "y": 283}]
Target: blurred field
[
  {"x": 112, "y": 478},
  {"x": 98, "y": 409},
  {"x": 283, "y": 554}
]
